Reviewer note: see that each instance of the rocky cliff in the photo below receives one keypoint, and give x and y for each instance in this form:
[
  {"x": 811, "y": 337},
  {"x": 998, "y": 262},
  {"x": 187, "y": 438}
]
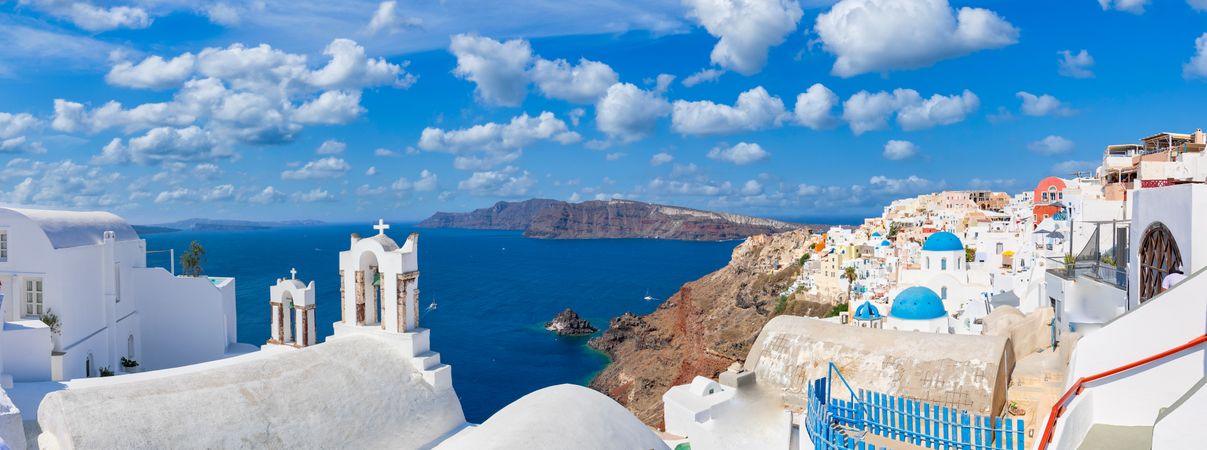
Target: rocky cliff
[
  {"x": 500, "y": 216},
  {"x": 706, "y": 326},
  {"x": 551, "y": 219}
]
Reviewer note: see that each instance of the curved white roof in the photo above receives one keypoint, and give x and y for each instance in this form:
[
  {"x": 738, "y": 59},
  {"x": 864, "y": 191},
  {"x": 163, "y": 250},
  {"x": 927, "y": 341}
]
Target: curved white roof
[
  {"x": 558, "y": 417},
  {"x": 78, "y": 228}
]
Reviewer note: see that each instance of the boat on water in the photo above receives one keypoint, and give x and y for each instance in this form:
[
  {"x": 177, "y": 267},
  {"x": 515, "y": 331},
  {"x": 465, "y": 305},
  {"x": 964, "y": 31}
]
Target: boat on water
[{"x": 647, "y": 297}]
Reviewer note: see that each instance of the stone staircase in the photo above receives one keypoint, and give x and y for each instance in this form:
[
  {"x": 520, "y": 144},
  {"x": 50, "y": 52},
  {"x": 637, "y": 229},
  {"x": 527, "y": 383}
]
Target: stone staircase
[
  {"x": 1036, "y": 383},
  {"x": 417, "y": 345}
]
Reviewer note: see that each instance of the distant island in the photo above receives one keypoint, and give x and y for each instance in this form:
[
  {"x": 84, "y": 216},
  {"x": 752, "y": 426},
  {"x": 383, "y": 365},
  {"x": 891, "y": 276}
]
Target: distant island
[
  {"x": 600, "y": 219},
  {"x": 218, "y": 225}
]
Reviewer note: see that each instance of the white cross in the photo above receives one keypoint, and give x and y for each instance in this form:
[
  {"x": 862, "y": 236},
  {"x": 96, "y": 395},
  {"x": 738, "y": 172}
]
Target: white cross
[
  {"x": 293, "y": 274},
  {"x": 381, "y": 226}
]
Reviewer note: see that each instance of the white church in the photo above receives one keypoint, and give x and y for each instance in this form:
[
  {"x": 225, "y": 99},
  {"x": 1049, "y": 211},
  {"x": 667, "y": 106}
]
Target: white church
[{"x": 89, "y": 271}]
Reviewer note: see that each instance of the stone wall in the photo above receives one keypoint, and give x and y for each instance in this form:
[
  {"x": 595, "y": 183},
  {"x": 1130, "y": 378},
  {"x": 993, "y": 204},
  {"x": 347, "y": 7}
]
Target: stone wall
[{"x": 962, "y": 371}]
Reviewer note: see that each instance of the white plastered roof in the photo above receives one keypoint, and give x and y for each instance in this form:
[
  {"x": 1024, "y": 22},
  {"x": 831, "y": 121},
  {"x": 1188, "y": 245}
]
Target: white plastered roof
[{"x": 78, "y": 228}]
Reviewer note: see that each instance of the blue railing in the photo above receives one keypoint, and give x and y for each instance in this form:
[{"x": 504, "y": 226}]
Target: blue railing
[{"x": 834, "y": 423}]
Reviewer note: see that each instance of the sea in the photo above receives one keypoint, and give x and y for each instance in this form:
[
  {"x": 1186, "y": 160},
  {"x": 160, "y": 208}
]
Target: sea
[{"x": 494, "y": 290}]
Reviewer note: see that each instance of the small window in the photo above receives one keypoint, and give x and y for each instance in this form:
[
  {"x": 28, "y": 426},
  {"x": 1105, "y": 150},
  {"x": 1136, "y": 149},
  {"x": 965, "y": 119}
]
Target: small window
[
  {"x": 1000, "y": 247},
  {"x": 130, "y": 347},
  {"x": 943, "y": 264},
  {"x": 3, "y": 245},
  {"x": 944, "y": 293},
  {"x": 33, "y": 297}
]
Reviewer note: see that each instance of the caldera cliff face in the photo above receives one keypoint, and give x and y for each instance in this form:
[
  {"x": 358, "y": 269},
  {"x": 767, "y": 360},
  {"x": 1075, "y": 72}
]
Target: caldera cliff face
[{"x": 702, "y": 329}]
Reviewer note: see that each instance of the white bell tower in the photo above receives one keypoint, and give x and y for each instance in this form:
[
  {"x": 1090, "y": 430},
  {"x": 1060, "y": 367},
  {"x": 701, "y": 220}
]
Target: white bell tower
[{"x": 292, "y": 312}]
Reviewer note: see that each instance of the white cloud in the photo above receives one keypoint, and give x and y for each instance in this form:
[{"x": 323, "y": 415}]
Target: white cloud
[
  {"x": 164, "y": 144},
  {"x": 910, "y": 184},
  {"x": 1198, "y": 5},
  {"x": 661, "y": 158},
  {"x": 1071, "y": 166},
  {"x": 693, "y": 188},
  {"x": 384, "y": 152},
  {"x": 1076, "y": 65},
  {"x": 312, "y": 196},
  {"x": 866, "y": 111},
  {"x": 12, "y": 125},
  {"x": 220, "y": 193},
  {"x": 750, "y": 188},
  {"x": 1131, "y": 6},
  {"x": 223, "y": 14},
  {"x": 898, "y": 150},
  {"x": 491, "y": 144},
  {"x": 885, "y": 35},
  {"x": 91, "y": 17},
  {"x": 754, "y": 110},
  {"x": 331, "y": 147},
  {"x": 937, "y": 110},
  {"x": 499, "y": 69},
  {"x": 747, "y": 29},
  {"x": 703, "y": 76},
  {"x": 154, "y": 72},
  {"x": 662, "y": 83},
  {"x": 584, "y": 83},
  {"x": 388, "y": 19},
  {"x": 815, "y": 106},
  {"x": 174, "y": 195},
  {"x": 236, "y": 94},
  {"x": 266, "y": 196},
  {"x": 59, "y": 184},
  {"x": 330, "y": 167},
  {"x": 427, "y": 182},
  {"x": 508, "y": 182},
  {"x": 629, "y": 113},
  {"x": 741, "y": 154},
  {"x": 1042, "y": 105},
  {"x": 613, "y": 156},
  {"x": 1197, "y": 66},
  {"x": 371, "y": 171},
  {"x": 1051, "y": 145}
]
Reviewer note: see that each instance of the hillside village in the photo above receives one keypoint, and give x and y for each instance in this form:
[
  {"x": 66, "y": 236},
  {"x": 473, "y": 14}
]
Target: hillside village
[{"x": 1070, "y": 315}]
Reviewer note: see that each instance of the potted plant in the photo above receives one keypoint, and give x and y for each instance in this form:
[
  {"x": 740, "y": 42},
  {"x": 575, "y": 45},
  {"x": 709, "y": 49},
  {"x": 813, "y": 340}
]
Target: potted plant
[
  {"x": 106, "y": 371},
  {"x": 56, "y": 328},
  {"x": 129, "y": 365}
]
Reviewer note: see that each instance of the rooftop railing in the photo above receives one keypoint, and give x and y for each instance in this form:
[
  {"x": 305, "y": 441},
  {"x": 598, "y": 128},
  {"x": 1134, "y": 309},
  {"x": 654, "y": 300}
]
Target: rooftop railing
[{"x": 1096, "y": 270}]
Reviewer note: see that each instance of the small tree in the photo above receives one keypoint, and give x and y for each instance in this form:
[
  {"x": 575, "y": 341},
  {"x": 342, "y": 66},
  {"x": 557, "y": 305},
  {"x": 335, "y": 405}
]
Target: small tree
[
  {"x": 191, "y": 260},
  {"x": 52, "y": 321},
  {"x": 804, "y": 259},
  {"x": 851, "y": 275},
  {"x": 893, "y": 229},
  {"x": 969, "y": 254}
]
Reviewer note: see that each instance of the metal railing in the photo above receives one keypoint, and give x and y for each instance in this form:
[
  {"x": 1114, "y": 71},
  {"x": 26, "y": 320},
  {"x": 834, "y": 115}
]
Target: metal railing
[{"x": 1097, "y": 270}]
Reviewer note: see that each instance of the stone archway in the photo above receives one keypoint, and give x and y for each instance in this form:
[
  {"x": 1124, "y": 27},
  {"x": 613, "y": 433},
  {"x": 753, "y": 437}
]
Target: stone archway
[
  {"x": 368, "y": 290},
  {"x": 1159, "y": 254}
]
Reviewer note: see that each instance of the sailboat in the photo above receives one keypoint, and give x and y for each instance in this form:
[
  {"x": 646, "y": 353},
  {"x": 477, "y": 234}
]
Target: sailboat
[
  {"x": 647, "y": 296},
  {"x": 432, "y": 306}
]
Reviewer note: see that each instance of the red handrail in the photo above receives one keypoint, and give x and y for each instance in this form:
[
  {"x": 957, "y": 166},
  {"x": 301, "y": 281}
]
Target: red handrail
[{"x": 1059, "y": 407}]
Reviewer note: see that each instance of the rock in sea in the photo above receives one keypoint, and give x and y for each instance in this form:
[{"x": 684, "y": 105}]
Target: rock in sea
[{"x": 567, "y": 323}]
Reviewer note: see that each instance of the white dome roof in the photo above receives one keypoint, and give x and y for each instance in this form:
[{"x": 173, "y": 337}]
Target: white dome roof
[{"x": 558, "y": 417}]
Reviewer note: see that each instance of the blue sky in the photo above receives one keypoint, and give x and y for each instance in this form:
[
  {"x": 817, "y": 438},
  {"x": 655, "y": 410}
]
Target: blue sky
[{"x": 363, "y": 109}]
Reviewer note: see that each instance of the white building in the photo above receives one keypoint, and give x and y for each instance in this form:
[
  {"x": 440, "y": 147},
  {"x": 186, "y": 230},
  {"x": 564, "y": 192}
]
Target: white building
[{"x": 89, "y": 269}]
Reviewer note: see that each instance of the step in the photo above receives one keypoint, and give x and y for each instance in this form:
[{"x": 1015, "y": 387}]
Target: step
[
  {"x": 439, "y": 377},
  {"x": 426, "y": 360},
  {"x": 1117, "y": 437}
]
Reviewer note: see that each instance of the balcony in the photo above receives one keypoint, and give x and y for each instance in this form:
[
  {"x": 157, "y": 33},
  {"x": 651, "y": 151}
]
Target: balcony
[{"x": 1095, "y": 270}]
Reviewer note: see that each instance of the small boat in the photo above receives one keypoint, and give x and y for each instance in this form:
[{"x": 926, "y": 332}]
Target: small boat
[
  {"x": 647, "y": 296},
  {"x": 432, "y": 306}
]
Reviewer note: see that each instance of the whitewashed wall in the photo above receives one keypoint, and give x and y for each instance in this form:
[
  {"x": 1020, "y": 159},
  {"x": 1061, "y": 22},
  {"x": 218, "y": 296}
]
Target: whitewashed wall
[{"x": 182, "y": 318}]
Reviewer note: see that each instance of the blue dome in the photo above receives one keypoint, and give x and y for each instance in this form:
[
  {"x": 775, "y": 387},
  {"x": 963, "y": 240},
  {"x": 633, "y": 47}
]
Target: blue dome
[
  {"x": 917, "y": 303},
  {"x": 885, "y": 243},
  {"x": 943, "y": 242},
  {"x": 867, "y": 311},
  {"x": 875, "y": 234}
]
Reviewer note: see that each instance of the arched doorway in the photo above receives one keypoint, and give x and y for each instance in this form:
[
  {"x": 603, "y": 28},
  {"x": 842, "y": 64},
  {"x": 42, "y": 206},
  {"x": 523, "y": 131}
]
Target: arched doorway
[{"x": 1159, "y": 255}]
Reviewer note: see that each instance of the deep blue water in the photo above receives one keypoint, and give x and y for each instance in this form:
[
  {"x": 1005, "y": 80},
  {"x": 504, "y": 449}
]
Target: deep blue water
[{"x": 495, "y": 290}]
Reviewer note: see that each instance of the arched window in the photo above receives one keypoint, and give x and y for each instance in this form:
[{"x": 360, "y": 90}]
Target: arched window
[
  {"x": 1159, "y": 255},
  {"x": 943, "y": 293},
  {"x": 88, "y": 366},
  {"x": 927, "y": 263},
  {"x": 943, "y": 264},
  {"x": 1000, "y": 248},
  {"x": 130, "y": 347}
]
